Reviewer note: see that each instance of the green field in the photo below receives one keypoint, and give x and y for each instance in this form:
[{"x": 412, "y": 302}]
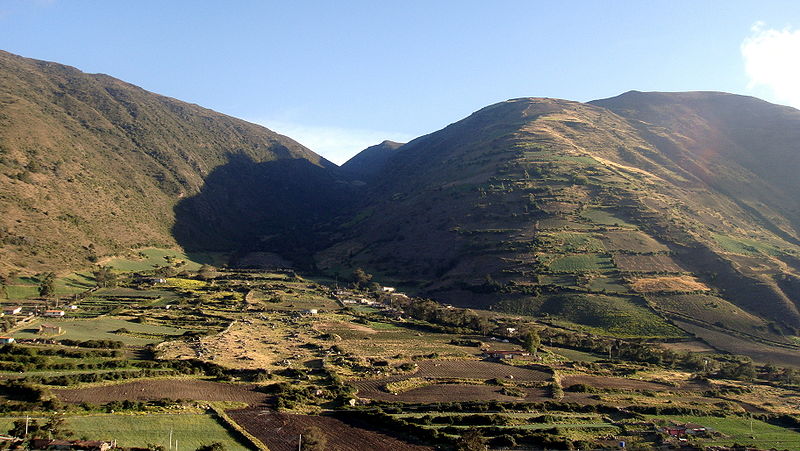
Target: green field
[
  {"x": 603, "y": 216},
  {"x": 615, "y": 315},
  {"x": 574, "y": 355},
  {"x": 737, "y": 430},
  {"x": 28, "y": 287},
  {"x": 579, "y": 262},
  {"x": 745, "y": 246},
  {"x": 190, "y": 430},
  {"x": 152, "y": 257},
  {"x": 100, "y": 329},
  {"x": 574, "y": 242},
  {"x": 711, "y": 309}
]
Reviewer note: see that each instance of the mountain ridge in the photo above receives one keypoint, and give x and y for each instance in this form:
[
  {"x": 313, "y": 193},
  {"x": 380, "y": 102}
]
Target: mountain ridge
[{"x": 92, "y": 165}]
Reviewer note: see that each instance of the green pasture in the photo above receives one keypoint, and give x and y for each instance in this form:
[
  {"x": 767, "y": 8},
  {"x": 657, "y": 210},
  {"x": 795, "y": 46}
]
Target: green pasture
[
  {"x": 100, "y": 329},
  {"x": 149, "y": 258},
  {"x": 604, "y": 216},
  {"x": 604, "y": 314},
  {"x": 738, "y": 430},
  {"x": 578, "y": 262},
  {"x": 745, "y": 246},
  {"x": 189, "y": 430}
]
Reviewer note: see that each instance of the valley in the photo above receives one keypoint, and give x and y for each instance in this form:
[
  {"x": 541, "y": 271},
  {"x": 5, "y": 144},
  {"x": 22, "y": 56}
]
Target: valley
[
  {"x": 250, "y": 353},
  {"x": 542, "y": 274}
]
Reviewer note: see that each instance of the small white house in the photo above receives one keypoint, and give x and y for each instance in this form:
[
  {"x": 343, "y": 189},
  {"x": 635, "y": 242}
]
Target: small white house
[
  {"x": 388, "y": 289},
  {"x": 312, "y": 311},
  {"x": 73, "y": 307},
  {"x": 6, "y": 340},
  {"x": 54, "y": 313}
]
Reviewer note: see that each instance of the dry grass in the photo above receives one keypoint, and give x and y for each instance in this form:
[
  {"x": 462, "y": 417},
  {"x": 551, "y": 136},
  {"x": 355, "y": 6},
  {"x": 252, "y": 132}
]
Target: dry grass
[{"x": 678, "y": 284}]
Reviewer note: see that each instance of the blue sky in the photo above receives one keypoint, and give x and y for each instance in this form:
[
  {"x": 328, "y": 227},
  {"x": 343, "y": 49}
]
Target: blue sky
[{"x": 341, "y": 75}]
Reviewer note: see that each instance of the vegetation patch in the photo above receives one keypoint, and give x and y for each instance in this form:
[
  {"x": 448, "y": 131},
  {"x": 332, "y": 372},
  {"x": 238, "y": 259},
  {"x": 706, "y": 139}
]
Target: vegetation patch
[
  {"x": 711, "y": 310},
  {"x": 578, "y": 263},
  {"x": 139, "y": 334},
  {"x": 644, "y": 263},
  {"x": 569, "y": 242},
  {"x": 744, "y": 246},
  {"x": 605, "y": 216},
  {"x": 611, "y": 314},
  {"x": 190, "y": 430},
  {"x": 737, "y": 430},
  {"x": 675, "y": 284},
  {"x": 631, "y": 241}
]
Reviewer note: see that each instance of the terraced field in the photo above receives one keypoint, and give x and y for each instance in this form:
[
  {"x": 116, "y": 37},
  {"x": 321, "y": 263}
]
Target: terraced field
[
  {"x": 632, "y": 241},
  {"x": 645, "y": 263},
  {"x": 155, "y": 389},
  {"x": 437, "y": 375},
  {"x": 281, "y": 432}
]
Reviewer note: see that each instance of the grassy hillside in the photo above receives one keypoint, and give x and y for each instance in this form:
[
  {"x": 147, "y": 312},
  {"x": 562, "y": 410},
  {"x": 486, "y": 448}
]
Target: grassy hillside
[
  {"x": 91, "y": 166},
  {"x": 531, "y": 198}
]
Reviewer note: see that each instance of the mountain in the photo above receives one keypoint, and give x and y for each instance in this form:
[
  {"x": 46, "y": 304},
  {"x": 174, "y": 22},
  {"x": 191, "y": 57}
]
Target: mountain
[
  {"x": 631, "y": 215},
  {"x": 92, "y": 166},
  {"x": 370, "y": 161}
]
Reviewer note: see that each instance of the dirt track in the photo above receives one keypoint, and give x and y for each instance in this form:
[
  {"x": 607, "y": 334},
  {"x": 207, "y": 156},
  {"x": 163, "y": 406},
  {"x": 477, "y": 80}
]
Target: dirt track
[{"x": 155, "y": 389}]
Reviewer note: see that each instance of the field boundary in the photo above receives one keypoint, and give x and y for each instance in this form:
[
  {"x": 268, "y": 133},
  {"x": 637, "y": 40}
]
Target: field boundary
[{"x": 228, "y": 421}]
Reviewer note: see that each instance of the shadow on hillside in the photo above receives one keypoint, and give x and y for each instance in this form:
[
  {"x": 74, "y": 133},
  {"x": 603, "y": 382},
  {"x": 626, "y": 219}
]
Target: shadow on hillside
[{"x": 275, "y": 206}]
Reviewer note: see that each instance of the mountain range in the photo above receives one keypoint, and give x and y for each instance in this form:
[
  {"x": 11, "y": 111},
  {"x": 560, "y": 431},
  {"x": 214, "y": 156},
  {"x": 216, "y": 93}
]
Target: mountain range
[{"x": 647, "y": 214}]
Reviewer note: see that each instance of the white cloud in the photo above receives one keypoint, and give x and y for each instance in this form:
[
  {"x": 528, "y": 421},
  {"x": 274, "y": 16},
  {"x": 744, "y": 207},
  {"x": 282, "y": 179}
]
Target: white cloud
[
  {"x": 772, "y": 60},
  {"x": 337, "y": 144}
]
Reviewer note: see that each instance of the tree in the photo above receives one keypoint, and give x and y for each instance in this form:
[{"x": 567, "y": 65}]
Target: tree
[
  {"x": 313, "y": 439},
  {"x": 104, "y": 277},
  {"x": 471, "y": 440},
  {"x": 531, "y": 341},
  {"x": 361, "y": 278},
  {"x": 47, "y": 284},
  {"x": 18, "y": 428},
  {"x": 56, "y": 426}
]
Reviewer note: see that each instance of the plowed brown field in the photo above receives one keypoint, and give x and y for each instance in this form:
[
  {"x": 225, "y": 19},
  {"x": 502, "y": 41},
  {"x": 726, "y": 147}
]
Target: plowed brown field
[
  {"x": 281, "y": 432},
  {"x": 155, "y": 389}
]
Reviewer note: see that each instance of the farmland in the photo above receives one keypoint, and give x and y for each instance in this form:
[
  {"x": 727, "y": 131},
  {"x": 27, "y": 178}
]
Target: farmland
[
  {"x": 280, "y": 352},
  {"x": 156, "y": 389},
  {"x": 190, "y": 430},
  {"x": 646, "y": 263},
  {"x": 281, "y": 432},
  {"x": 135, "y": 333},
  {"x": 578, "y": 263}
]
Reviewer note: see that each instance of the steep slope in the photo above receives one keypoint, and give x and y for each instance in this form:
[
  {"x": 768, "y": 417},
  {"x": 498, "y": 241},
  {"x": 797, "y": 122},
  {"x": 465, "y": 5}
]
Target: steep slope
[
  {"x": 552, "y": 207},
  {"x": 90, "y": 166},
  {"x": 371, "y": 161}
]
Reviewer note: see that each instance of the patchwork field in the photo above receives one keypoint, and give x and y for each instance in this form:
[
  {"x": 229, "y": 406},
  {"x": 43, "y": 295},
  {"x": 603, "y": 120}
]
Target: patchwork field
[
  {"x": 281, "y": 432},
  {"x": 644, "y": 263},
  {"x": 455, "y": 380},
  {"x": 149, "y": 258},
  {"x": 631, "y": 241},
  {"x": 190, "y": 430},
  {"x": 740, "y": 430},
  {"x": 134, "y": 334},
  {"x": 604, "y": 313},
  {"x": 578, "y": 263},
  {"x": 679, "y": 284},
  {"x": 387, "y": 342},
  {"x": 711, "y": 310},
  {"x": 759, "y": 352},
  {"x": 156, "y": 389}
]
